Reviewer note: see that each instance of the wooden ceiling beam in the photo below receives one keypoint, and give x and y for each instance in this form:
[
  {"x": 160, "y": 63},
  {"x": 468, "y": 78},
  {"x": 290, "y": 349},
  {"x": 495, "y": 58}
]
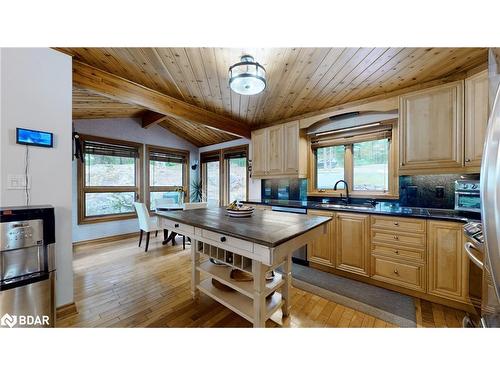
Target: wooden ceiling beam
[
  {"x": 118, "y": 88},
  {"x": 150, "y": 118}
]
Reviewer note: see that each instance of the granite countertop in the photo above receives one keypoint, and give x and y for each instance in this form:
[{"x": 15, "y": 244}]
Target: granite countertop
[
  {"x": 381, "y": 208},
  {"x": 268, "y": 228}
]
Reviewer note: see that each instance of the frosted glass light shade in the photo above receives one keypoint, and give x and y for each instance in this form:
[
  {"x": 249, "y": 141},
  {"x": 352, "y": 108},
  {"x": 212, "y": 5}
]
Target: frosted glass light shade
[{"x": 247, "y": 77}]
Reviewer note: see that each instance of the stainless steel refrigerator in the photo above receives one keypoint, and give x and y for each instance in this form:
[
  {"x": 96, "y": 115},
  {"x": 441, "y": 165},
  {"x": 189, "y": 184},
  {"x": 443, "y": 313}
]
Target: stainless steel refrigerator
[{"x": 490, "y": 200}]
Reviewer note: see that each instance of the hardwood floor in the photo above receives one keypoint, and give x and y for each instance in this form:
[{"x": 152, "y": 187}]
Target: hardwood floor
[{"x": 117, "y": 284}]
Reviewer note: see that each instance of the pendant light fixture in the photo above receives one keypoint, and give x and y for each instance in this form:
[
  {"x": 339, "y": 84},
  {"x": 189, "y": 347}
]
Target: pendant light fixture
[{"x": 247, "y": 77}]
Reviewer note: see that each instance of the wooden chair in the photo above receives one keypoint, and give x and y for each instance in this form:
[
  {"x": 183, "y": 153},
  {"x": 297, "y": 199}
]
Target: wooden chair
[
  {"x": 192, "y": 206},
  {"x": 146, "y": 223}
]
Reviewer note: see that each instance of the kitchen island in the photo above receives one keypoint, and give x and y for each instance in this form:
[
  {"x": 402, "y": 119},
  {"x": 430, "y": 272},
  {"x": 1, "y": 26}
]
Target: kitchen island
[{"x": 255, "y": 245}]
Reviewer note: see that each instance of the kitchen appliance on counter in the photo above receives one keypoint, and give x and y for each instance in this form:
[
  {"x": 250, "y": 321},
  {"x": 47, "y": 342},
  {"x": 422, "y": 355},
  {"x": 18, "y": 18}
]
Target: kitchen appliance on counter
[
  {"x": 490, "y": 200},
  {"x": 299, "y": 256},
  {"x": 27, "y": 267},
  {"x": 467, "y": 195}
]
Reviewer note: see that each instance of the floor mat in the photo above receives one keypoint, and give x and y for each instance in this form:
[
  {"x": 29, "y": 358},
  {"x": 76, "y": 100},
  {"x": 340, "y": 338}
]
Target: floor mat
[{"x": 393, "y": 307}]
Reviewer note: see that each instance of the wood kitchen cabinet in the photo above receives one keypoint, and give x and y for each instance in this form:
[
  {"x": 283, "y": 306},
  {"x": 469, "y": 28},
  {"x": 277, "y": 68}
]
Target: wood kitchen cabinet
[
  {"x": 259, "y": 151},
  {"x": 352, "y": 243},
  {"x": 447, "y": 262},
  {"x": 476, "y": 117},
  {"x": 279, "y": 151},
  {"x": 431, "y": 129},
  {"x": 322, "y": 249}
]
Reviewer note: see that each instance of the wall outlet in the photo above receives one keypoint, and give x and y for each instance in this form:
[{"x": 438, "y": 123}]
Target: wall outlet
[
  {"x": 18, "y": 182},
  {"x": 439, "y": 191}
]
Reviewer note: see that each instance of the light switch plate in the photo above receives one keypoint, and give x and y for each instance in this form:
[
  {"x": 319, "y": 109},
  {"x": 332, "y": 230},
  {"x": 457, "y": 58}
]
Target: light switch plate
[{"x": 17, "y": 182}]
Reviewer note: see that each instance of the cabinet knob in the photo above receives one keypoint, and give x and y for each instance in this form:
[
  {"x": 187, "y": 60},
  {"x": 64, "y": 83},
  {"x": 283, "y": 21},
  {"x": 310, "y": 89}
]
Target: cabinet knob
[
  {"x": 467, "y": 160},
  {"x": 223, "y": 239},
  {"x": 396, "y": 271},
  {"x": 396, "y": 251},
  {"x": 396, "y": 223},
  {"x": 396, "y": 237},
  {"x": 176, "y": 225}
]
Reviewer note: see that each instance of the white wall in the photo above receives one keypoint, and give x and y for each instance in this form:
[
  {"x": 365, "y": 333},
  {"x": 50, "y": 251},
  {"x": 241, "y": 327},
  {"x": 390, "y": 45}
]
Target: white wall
[
  {"x": 254, "y": 184},
  {"x": 129, "y": 130},
  {"x": 36, "y": 92}
]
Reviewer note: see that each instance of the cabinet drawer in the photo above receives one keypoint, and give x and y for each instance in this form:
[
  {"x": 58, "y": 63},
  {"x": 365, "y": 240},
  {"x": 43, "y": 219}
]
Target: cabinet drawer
[
  {"x": 398, "y": 252},
  {"x": 177, "y": 227},
  {"x": 398, "y": 223},
  {"x": 227, "y": 240},
  {"x": 406, "y": 274},
  {"x": 397, "y": 238}
]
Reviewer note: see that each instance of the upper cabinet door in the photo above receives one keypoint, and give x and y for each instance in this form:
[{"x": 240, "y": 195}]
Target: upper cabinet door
[
  {"x": 275, "y": 150},
  {"x": 431, "y": 129},
  {"x": 259, "y": 152},
  {"x": 291, "y": 141},
  {"x": 476, "y": 117}
]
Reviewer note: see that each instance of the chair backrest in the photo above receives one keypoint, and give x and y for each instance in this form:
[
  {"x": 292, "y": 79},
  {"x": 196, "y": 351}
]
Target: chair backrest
[
  {"x": 195, "y": 205},
  {"x": 143, "y": 216},
  {"x": 164, "y": 201}
]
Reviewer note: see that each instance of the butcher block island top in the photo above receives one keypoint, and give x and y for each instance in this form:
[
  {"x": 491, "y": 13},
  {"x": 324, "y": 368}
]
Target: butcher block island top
[
  {"x": 268, "y": 228},
  {"x": 256, "y": 245}
]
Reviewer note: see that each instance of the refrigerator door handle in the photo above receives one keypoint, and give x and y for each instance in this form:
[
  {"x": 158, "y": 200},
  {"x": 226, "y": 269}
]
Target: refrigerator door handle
[{"x": 475, "y": 260}]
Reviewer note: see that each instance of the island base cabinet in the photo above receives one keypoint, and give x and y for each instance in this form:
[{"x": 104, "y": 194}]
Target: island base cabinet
[
  {"x": 322, "y": 249},
  {"x": 447, "y": 262},
  {"x": 353, "y": 243}
]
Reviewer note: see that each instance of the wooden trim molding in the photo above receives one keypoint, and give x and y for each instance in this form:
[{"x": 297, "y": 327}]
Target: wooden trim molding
[
  {"x": 101, "y": 240},
  {"x": 123, "y": 90},
  {"x": 66, "y": 311}
]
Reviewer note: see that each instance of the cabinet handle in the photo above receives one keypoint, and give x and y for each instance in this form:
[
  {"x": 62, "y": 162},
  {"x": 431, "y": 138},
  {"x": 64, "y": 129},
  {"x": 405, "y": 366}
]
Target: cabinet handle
[
  {"x": 176, "y": 225},
  {"x": 396, "y": 237},
  {"x": 396, "y": 223},
  {"x": 223, "y": 239},
  {"x": 396, "y": 271}
]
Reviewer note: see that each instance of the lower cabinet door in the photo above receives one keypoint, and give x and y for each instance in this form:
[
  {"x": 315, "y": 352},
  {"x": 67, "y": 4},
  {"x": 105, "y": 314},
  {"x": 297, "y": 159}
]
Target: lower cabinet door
[
  {"x": 322, "y": 249},
  {"x": 353, "y": 243},
  {"x": 447, "y": 264}
]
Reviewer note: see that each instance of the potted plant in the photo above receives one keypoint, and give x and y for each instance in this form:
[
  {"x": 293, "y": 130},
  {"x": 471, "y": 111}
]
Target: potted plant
[{"x": 196, "y": 191}]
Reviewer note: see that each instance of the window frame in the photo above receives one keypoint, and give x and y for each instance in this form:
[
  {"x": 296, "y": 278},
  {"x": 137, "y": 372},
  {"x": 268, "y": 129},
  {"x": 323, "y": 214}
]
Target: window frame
[
  {"x": 185, "y": 173},
  {"x": 223, "y": 171},
  {"x": 357, "y": 136},
  {"x": 82, "y": 189}
]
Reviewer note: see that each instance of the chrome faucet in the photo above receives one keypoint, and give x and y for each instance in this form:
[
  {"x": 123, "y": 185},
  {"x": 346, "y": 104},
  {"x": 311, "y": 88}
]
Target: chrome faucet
[{"x": 347, "y": 200}]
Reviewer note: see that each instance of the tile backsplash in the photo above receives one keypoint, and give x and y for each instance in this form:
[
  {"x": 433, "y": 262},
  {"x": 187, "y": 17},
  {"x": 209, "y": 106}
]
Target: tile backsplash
[{"x": 432, "y": 191}]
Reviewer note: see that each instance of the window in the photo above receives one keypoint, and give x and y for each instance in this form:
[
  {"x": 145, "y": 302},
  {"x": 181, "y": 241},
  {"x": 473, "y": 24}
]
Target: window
[
  {"x": 364, "y": 158},
  {"x": 210, "y": 170},
  {"x": 236, "y": 166},
  {"x": 167, "y": 175},
  {"x": 109, "y": 179},
  {"x": 225, "y": 175}
]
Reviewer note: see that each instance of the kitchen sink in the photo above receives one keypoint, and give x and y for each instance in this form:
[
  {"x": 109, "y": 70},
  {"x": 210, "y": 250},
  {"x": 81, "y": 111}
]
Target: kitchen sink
[{"x": 348, "y": 206}]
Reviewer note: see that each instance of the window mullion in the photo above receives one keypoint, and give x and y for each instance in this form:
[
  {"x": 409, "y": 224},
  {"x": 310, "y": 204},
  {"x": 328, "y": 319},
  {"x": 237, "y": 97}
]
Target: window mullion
[{"x": 349, "y": 166}]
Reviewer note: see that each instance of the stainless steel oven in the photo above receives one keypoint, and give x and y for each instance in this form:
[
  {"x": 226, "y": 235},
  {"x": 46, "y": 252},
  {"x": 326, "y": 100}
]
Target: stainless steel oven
[{"x": 467, "y": 195}]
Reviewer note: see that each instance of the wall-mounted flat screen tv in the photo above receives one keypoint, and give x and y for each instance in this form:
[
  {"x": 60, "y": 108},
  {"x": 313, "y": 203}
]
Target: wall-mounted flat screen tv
[{"x": 34, "y": 138}]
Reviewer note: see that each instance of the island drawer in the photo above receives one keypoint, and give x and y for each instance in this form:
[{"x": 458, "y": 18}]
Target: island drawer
[
  {"x": 177, "y": 227},
  {"x": 384, "y": 237},
  {"x": 227, "y": 240},
  {"x": 406, "y": 274},
  {"x": 398, "y": 252},
  {"x": 398, "y": 223}
]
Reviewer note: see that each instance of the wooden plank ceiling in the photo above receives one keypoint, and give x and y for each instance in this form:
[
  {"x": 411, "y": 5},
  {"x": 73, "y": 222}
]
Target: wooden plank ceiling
[{"x": 300, "y": 80}]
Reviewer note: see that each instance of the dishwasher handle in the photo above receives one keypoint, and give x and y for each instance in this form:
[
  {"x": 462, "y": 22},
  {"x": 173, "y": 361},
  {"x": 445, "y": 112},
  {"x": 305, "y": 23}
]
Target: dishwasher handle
[{"x": 475, "y": 260}]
